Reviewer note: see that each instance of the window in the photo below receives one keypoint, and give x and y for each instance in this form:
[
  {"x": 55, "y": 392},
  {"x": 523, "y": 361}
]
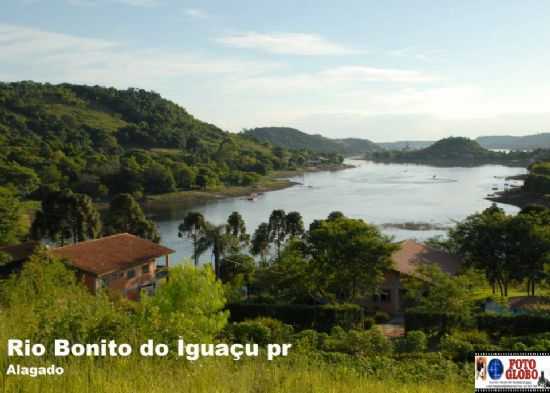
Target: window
[
  {"x": 385, "y": 296},
  {"x": 145, "y": 269},
  {"x": 131, "y": 273}
]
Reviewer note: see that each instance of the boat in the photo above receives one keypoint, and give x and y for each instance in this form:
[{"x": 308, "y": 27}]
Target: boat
[{"x": 252, "y": 197}]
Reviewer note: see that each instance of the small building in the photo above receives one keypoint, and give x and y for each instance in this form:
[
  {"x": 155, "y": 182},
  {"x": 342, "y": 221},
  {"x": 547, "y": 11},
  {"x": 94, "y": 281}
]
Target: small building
[
  {"x": 405, "y": 261},
  {"x": 15, "y": 256},
  {"x": 123, "y": 263}
]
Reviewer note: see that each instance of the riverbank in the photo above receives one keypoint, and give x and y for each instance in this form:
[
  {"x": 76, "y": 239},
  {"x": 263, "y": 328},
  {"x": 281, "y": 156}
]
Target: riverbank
[
  {"x": 520, "y": 198},
  {"x": 278, "y": 180}
]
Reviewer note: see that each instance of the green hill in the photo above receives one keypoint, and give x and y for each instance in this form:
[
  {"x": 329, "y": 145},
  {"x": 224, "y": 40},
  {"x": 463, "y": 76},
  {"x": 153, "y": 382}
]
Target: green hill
[
  {"x": 454, "y": 151},
  {"x": 103, "y": 141},
  {"x": 291, "y": 138}
]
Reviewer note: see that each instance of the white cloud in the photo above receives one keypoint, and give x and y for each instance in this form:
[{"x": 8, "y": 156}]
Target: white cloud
[
  {"x": 286, "y": 43},
  {"x": 196, "y": 13}
]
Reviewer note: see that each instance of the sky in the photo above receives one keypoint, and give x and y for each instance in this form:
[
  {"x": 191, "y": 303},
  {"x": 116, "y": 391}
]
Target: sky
[{"x": 383, "y": 70}]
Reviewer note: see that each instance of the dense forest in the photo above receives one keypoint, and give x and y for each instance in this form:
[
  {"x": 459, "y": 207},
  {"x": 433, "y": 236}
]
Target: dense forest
[
  {"x": 102, "y": 142},
  {"x": 457, "y": 151},
  {"x": 527, "y": 142},
  {"x": 291, "y": 138}
]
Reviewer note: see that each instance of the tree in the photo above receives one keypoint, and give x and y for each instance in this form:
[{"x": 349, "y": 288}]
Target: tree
[
  {"x": 236, "y": 227},
  {"x": 10, "y": 215},
  {"x": 192, "y": 226},
  {"x": 277, "y": 229},
  {"x": 294, "y": 224},
  {"x": 483, "y": 240},
  {"x": 125, "y": 215},
  {"x": 529, "y": 245},
  {"x": 191, "y": 304},
  {"x": 158, "y": 179},
  {"x": 215, "y": 237},
  {"x": 66, "y": 215},
  {"x": 351, "y": 254},
  {"x": 260, "y": 241}
]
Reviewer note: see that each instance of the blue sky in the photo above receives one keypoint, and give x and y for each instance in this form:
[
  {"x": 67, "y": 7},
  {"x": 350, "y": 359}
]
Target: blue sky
[{"x": 383, "y": 70}]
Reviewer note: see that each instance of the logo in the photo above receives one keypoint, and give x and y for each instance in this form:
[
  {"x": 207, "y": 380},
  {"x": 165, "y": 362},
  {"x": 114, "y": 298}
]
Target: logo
[{"x": 495, "y": 369}]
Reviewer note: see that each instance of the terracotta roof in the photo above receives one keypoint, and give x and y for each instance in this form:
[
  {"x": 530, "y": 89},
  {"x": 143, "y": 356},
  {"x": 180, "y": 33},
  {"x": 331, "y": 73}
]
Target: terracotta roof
[
  {"x": 413, "y": 254},
  {"x": 111, "y": 253},
  {"x": 20, "y": 252}
]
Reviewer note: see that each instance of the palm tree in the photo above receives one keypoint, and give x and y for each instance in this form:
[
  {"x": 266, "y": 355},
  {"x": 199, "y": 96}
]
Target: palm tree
[{"x": 193, "y": 227}]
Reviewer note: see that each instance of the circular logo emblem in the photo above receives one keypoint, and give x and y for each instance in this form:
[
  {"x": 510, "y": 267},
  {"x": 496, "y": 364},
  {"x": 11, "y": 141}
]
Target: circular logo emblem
[{"x": 495, "y": 369}]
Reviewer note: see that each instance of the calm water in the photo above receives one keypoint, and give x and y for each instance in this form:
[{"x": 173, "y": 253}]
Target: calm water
[{"x": 382, "y": 194}]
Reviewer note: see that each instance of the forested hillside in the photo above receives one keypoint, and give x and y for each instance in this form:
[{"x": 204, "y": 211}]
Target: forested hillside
[
  {"x": 291, "y": 138},
  {"x": 102, "y": 141}
]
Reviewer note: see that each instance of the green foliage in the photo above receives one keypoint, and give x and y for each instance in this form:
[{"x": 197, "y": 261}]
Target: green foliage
[
  {"x": 10, "y": 217},
  {"x": 381, "y": 317},
  {"x": 357, "y": 342},
  {"x": 350, "y": 255},
  {"x": 322, "y": 318},
  {"x": 290, "y": 138},
  {"x": 513, "y": 325},
  {"x": 125, "y": 215},
  {"x": 453, "y": 151},
  {"x": 103, "y": 142},
  {"x": 413, "y": 341},
  {"x": 65, "y": 215},
  {"x": 456, "y": 347},
  {"x": 261, "y": 331},
  {"x": 190, "y": 304},
  {"x": 46, "y": 302}
]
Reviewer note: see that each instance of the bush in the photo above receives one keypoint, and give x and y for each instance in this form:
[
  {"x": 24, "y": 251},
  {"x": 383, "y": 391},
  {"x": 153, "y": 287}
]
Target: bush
[
  {"x": 260, "y": 331},
  {"x": 456, "y": 348},
  {"x": 381, "y": 317},
  {"x": 414, "y": 341},
  {"x": 432, "y": 322},
  {"x": 357, "y": 342},
  {"x": 321, "y": 318},
  {"x": 513, "y": 325}
]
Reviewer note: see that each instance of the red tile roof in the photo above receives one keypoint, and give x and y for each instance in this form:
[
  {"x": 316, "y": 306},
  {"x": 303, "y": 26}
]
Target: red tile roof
[
  {"x": 111, "y": 253},
  {"x": 412, "y": 254}
]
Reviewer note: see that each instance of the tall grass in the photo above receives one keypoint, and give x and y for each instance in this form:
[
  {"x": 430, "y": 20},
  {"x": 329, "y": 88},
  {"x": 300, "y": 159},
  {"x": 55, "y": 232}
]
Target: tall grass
[{"x": 213, "y": 376}]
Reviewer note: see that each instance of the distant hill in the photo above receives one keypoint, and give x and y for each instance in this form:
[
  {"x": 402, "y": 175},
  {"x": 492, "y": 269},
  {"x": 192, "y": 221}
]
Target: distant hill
[
  {"x": 405, "y": 145},
  {"x": 454, "y": 151},
  {"x": 528, "y": 142},
  {"x": 291, "y": 138}
]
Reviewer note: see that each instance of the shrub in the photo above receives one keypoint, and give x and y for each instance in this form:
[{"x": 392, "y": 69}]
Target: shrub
[
  {"x": 456, "y": 348},
  {"x": 432, "y": 322},
  {"x": 357, "y": 342},
  {"x": 414, "y": 341},
  {"x": 321, "y": 318},
  {"x": 381, "y": 317},
  {"x": 513, "y": 325}
]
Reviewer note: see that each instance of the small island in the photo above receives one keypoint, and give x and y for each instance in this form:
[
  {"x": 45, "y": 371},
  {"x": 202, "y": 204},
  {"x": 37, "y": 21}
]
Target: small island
[{"x": 456, "y": 151}]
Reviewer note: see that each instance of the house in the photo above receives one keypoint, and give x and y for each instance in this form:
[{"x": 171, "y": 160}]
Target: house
[
  {"x": 405, "y": 261},
  {"x": 122, "y": 263},
  {"x": 15, "y": 256}
]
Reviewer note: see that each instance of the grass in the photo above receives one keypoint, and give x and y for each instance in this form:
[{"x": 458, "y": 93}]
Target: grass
[{"x": 214, "y": 376}]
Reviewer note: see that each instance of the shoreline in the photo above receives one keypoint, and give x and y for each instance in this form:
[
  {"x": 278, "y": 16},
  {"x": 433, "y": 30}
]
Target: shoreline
[
  {"x": 519, "y": 198},
  {"x": 278, "y": 180}
]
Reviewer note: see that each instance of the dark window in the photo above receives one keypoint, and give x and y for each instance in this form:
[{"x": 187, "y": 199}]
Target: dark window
[
  {"x": 385, "y": 296},
  {"x": 131, "y": 273},
  {"x": 145, "y": 268}
]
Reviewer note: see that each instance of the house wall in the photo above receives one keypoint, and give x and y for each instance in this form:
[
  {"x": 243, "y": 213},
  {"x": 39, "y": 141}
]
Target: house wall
[
  {"x": 123, "y": 281},
  {"x": 389, "y": 300}
]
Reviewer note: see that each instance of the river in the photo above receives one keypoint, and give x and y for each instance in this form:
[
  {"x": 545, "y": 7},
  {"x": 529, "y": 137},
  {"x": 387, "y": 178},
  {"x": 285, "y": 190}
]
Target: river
[{"x": 388, "y": 195}]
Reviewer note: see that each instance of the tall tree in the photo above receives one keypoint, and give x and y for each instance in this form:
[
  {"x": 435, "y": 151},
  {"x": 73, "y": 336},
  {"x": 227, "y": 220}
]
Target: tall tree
[
  {"x": 260, "y": 242},
  {"x": 65, "y": 215},
  {"x": 483, "y": 240},
  {"x": 126, "y": 215},
  {"x": 236, "y": 227},
  {"x": 215, "y": 238},
  {"x": 192, "y": 227},
  {"x": 351, "y": 254},
  {"x": 294, "y": 224},
  {"x": 277, "y": 229}
]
